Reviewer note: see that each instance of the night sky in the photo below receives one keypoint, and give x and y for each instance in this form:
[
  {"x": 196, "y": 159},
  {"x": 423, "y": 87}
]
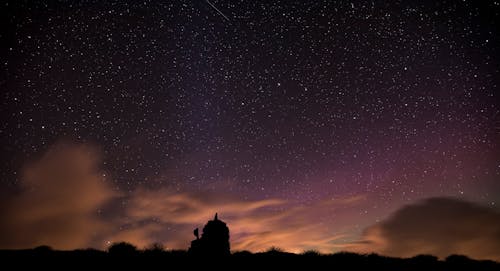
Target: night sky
[{"x": 305, "y": 124}]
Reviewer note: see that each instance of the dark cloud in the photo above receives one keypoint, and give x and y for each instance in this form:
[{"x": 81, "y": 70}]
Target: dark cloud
[
  {"x": 58, "y": 202},
  {"x": 438, "y": 226}
]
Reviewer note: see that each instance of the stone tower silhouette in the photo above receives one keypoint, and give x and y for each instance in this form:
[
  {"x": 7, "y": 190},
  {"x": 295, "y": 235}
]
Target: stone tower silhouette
[{"x": 214, "y": 239}]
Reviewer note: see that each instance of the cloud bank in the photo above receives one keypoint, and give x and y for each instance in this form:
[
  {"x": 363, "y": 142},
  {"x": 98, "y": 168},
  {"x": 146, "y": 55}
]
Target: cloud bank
[
  {"x": 60, "y": 195},
  {"x": 437, "y": 226},
  {"x": 58, "y": 201}
]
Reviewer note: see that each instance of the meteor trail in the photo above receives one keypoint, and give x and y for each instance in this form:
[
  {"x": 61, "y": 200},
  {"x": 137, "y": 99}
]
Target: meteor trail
[{"x": 218, "y": 11}]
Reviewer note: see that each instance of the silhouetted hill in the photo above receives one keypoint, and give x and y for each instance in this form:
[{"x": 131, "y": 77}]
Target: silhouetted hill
[{"x": 159, "y": 259}]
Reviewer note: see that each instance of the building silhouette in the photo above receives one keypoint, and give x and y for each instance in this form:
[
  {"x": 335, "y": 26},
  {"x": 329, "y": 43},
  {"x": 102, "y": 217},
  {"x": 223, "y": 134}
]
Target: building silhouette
[{"x": 214, "y": 239}]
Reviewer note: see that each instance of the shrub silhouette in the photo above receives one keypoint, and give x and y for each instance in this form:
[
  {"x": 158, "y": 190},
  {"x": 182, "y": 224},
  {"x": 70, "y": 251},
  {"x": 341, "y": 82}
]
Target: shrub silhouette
[
  {"x": 214, "y": 240},
  {"x": 458, "y": 259},
  {"x": 122, "y": 249},
  {"x": 311, "y": 253},
  {"x": 157, "y": 247},
  {"x": 276, "y": 252},
  {"x": 243, "y": 253},
  {"x": 274, "y": 249},
  {"x": 43, "y": 248},
  {"x": 154, "y": 250}
]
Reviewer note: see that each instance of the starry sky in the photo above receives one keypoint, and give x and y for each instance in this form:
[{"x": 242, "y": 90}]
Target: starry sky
[{"x": 305, "y": 124}]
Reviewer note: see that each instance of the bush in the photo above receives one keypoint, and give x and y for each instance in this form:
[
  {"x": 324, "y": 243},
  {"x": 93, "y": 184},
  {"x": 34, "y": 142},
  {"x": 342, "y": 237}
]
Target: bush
[
  {"x": 155, "y": 247},
  {"x": 122, "y": 248},
  {"x": 311, "y": 253}
]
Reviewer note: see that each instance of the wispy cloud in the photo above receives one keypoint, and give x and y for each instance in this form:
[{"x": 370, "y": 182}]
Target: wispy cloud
[{"x": 255, "y": 225}]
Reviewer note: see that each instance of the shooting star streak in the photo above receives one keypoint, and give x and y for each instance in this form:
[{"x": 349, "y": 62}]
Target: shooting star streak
[{"x": 218, "y": 11}]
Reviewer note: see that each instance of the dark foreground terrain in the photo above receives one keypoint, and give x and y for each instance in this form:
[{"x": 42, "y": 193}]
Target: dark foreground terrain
[{"x": 44, "y": 258}]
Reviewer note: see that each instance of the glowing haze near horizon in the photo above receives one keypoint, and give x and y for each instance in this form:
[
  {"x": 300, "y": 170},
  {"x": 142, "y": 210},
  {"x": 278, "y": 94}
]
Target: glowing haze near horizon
[{"x": 306, "y": 124}]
